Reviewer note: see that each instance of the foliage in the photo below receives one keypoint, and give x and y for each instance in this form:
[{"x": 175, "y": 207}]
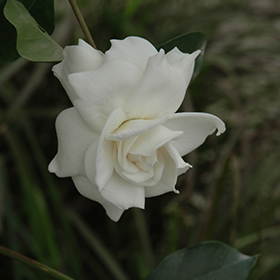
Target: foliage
[
  {"x": 33, "y": 21},
  {"x": 32, "y": 43},
  {"x": 206, "y": 261}
]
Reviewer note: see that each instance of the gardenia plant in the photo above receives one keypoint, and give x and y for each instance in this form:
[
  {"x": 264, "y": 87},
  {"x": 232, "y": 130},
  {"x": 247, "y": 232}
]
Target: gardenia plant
[{"x": 122, "y": 141}]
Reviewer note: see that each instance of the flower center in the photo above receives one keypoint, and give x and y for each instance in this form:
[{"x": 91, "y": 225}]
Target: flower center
[{"x": 136, "y": 168}]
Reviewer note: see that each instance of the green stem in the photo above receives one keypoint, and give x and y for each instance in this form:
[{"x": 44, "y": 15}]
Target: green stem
[
  {"x": 145, "y": 241},
  {"x": 95, "y": 243},
  {"x": 254, "y": 237},
  {"x": 34, "y": 264},
  {"x": 82, "y": 22}
]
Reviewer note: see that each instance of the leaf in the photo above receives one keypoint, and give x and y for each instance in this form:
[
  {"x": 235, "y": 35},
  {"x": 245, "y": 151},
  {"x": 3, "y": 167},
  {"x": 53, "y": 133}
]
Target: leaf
[
  {"x": 33, "y": 42},
  {"x": 206, "y": 261},
  {"x": 188, "y": 43},
  {"x": 43, "y": 13}
]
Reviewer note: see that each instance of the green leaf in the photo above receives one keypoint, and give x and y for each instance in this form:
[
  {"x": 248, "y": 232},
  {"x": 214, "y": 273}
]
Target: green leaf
[
  {"x": 43, "y": 13},
  {"x": 188, "y": 43},
  {"x": 206, "y": 261},
  {"x": 33, "y": 42}
]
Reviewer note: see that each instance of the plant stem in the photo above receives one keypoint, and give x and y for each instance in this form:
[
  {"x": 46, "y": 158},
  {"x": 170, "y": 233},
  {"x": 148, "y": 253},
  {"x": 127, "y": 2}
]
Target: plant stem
[
  {"x": 144, "y": 239},
  {"x": 82, "y": 22},
  {"x": 95, "y": 243},
  {"x": 34, "y": 264}
]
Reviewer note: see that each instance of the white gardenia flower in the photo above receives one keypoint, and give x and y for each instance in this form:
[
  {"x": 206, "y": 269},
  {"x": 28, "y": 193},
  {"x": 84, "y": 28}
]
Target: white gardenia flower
[{"x": 122, "y": 141}]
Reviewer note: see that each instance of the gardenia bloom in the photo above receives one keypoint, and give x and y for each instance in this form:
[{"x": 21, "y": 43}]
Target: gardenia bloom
[{"x": 122, "y": 140}]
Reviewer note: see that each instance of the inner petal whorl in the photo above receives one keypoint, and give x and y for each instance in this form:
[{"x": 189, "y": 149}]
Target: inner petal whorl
[{"x": 137, "y": 169}]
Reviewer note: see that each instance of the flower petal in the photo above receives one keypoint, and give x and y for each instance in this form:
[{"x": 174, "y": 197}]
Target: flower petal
[
  {"x": 169, "y": 177},
  {"x": 74, "y": 138},
  {"x": 90, "y": 162},
  {"x": 134, "y": 50},
  {"x": 162, "y": 87},
  {"x": 76, "y": 59},
  {"x": 146, "y": 178},
  {"x": 181, "y": 165},
  {"x": 174, "y": 55},
  {"x": 121, "y": 149},
  {"x": 146, "y": 144},
  {"x": 123, "y": 194},
  {"x": 133, "y": 128},
  {"x": 102, "y": 90},
  {"x": 87, "y": 189},
  {"x": 196, "y": 127},
  {"x": 104, "y": 153},
  {"x": 179, "y": 59}
]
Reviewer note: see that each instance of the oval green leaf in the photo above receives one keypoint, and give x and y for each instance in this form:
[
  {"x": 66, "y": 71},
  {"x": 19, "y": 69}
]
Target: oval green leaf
[
  {"x": 188, "y": 43},
  {"x": 43, "y": 13},
  {"x": 206, "y": 261},
  {"x": 33, "y": 42}
]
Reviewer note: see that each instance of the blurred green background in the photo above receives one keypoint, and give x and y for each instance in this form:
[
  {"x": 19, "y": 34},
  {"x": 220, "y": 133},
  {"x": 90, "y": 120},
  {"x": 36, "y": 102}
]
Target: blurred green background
[{"x": 233, "y": 192}]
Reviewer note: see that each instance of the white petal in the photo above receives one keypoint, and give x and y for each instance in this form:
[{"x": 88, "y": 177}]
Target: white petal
[
  {"x": 81, "y": 58},
  {"x": 99, "y": 163},
  {"x": 136, "y": 174},
  {"x": 138, "y": 178},
  {"x": 133, "y": 128},
  {"x": 181, "y": 165},
  {"x": 147, "y": 178},
  {"x": 121, "y": 155},
  {"x": 102, "y": 90},
  {"x": 123, "y": 194},
  {"x": 124, "y": 166},
  {"x": 169, "y": 177},
  {"x": 83, "y": 44},
  {"x": 174, "y": 55},
  {"x": 74, "y": 138},
  {"x": 87, "y": 189},
  {"x": 196, "y": 127},
  {"x": 158, "y": 170},
  {"x": 135, "y": 50},
  {"x": 147, "y": 143},
  {"x": 76, "y": 59},
  {"x": 162, "y": 87},
  {"x": 145, "y": 163},
  {"x": 104, "y": 154}
]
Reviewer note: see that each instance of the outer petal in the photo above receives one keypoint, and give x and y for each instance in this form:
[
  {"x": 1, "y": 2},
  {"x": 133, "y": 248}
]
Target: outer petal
[
  {"x": 174, "y": 55},
  {"x": 87, "y": 189},
  {"x": 74, "y": 138},
  {"x": 76, "y": 59},
  {"x": 168, "y": 180},
  {"x": 181, "y": 165},
  {"x": 196, "y": 127},
  {"x": 104, "y": 154},
  {"x": 102, "y": 90},
  {"x": 90, "y": 162},
  {"x": 123, "y": 194},
  {"x": 135, "y": 50},
  {"x": 162, "y": 87}
]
